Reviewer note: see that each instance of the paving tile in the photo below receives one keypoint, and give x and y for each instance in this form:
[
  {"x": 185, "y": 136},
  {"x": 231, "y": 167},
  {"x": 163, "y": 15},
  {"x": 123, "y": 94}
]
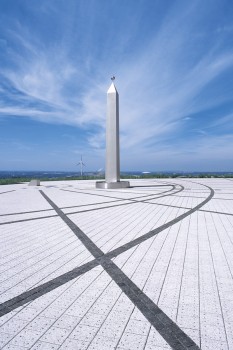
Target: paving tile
[
  {"x": 26, "y": 338},
  {"x": 132, "y": 341},
  {"x": 213, "y": 332},
  {"x": 5, "y": 338},
  {"x": 150, "y": 346},
  {"x": 111, "y": 331},
  {"x": 6, "y": 317},
  {"x": 52, "y": 312},
  {"x": 44, "y": 346},
  {"x": 13, "y": 347},
  {"x": 55, "y": 335},
  {"x": 84, "y": 333},
  {"x": 210, "y": 344},
  {"x": 27, "y": 313},
  {"x": 40, "y": 324},
  {"x": 186, "y": 269},
  {"x": 13, "y": 326},
  {"x": 102, "y": 343},
  {"x": 137, "y": 327},
  {"x": 74, "y": 344},
  {"x": 67, "y": 322},
  {"x": 95, "y": 320}
]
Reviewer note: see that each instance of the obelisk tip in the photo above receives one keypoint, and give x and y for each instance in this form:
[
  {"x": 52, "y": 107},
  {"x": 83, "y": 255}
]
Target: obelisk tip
[{"x": 112, "y": 88}]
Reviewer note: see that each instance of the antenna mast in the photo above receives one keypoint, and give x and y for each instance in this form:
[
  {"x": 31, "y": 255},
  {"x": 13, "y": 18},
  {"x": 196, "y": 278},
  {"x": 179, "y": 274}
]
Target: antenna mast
[{"x": 81, "y": 165}]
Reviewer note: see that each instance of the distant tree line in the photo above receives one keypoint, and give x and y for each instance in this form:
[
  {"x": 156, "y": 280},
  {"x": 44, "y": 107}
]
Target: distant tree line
[{"x": 17, "y": 180}]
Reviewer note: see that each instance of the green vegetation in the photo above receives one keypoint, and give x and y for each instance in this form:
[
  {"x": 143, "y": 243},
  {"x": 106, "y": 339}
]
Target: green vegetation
[
  {"x": 175, "y": 175},
  {"x": 17, "y": 180}
]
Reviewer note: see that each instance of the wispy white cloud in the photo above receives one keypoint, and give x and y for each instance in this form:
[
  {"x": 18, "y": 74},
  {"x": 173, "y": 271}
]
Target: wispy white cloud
[
  {"x": 223, "y": 120},
  {"x": 161, "y": 84},
  {"x": 209, "y": 153}
]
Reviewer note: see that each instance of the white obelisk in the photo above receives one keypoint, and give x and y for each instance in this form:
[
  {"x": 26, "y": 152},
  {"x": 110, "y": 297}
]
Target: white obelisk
[{"x": 112, "y": 168}]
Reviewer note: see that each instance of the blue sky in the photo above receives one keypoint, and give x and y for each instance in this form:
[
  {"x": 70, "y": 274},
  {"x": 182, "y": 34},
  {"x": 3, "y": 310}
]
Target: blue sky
[{"x": 173, "y": 62}]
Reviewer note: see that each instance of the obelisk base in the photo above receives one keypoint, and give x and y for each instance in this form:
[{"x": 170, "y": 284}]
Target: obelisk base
[{"x": 113, "y": 185}]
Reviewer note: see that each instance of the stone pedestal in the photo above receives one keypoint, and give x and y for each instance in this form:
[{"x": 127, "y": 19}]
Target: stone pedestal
[
  {"x": 109, "y": 185},
  {"x": 35, "y": 182}
]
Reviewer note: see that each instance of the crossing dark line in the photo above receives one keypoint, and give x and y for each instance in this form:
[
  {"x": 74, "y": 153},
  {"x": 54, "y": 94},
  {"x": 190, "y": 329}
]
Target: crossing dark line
[
  {"x": 120, "y": 198},
  {"x": 82, "y": 205},
  {"x": 175, "y": 337},
  {"x": 44, "y": 288},
  {"x": 154, "y": 232},
  {"x": 131, "y": 201}
]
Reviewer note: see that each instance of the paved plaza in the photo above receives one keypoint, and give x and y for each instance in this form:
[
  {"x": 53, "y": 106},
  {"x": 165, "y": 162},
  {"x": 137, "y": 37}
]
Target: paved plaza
[{"x": 143, "y": 268}]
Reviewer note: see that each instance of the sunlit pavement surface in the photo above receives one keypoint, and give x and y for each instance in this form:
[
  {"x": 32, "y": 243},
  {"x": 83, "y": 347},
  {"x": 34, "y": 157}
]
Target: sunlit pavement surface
[{"x": 148, "y": 267}]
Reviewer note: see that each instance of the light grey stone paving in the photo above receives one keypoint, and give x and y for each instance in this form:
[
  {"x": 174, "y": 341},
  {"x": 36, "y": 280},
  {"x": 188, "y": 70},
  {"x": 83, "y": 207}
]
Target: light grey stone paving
[
  {"x": 185, "y": 269},
  {"x": 35, "y": 252}
]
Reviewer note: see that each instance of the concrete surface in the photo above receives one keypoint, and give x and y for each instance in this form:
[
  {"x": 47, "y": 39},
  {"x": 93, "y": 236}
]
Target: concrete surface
[{"x": 147, "y": 267}]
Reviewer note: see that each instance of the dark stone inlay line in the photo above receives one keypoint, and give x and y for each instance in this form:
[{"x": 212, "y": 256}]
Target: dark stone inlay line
[
  {"x": 83, "y": 211},
  {"x": 154, "y": 232},
  {"x": 215, "y": 212},
  {"x": 190, "y": 196},
  {"x": 131, "y": 201},
  {"x": 79, "y": 206},
  {"x": 224, "y": 199},
  {"x": 167, "y": 184},
  {"x": 106, "y": 207},
  {"x": 48, "y": 286},
  {"x": 31, "y": 219},
  {"x": 7, "y": 191},
  {"x": 113, "y": 206},
  {"x": 92, "y": 248},
  {"x": 120, "y": 198},
  {"x": 226, "y": 193},
  {"x": 26, "y": 212},
  {"x": 44, "y": 288},
  {"x": 174, "y": 336},
  {"x": 188, "y": 208}
]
